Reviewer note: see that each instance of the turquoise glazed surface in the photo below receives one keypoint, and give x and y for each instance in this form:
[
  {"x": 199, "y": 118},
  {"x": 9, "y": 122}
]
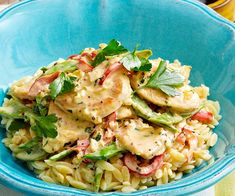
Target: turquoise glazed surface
[{"x": 35, "y": 32}]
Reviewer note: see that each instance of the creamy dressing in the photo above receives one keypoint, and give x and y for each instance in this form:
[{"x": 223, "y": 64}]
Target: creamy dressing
[
  {"x": 69, "y": 130},
  {"x": 141, "y": 139},
  {"x": 92, "y": 102}
]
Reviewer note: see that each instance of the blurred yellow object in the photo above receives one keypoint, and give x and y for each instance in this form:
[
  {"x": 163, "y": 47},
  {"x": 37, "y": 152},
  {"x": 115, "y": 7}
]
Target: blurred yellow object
[
  {"x": 226, "y": 187},
  {"x": 225, "y": 7}
]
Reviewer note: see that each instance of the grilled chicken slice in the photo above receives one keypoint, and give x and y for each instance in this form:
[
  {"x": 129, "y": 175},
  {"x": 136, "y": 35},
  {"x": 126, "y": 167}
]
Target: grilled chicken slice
[
  {"x": 92, "y": 101},
  {"x": 186, "y": 102},
  {"x": 140, "y": 139},
  {"x": 69, "y": 130}
]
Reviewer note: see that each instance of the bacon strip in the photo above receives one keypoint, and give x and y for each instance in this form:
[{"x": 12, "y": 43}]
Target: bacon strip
[
  {"x": 41, "y": 83},
  {"x": 109, "y": 70},
  {"x": 131, "y": 162},
  {"x": 203, "y": 117},
  {"x": 83, "y": 65}
]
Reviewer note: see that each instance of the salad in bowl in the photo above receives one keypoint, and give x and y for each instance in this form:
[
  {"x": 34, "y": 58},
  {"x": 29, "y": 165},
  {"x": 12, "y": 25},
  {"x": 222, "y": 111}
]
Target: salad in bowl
[{"x": 110, "y": 119}]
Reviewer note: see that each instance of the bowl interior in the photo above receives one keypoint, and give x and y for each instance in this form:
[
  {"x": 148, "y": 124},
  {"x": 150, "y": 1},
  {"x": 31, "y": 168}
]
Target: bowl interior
[{"x": 35, "y": 33}]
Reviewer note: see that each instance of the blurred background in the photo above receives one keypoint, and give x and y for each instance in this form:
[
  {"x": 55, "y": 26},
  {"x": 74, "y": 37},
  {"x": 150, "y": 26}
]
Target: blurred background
[
  {"x": 225, "y": 7},
  {"x": 225, "y": 187}
]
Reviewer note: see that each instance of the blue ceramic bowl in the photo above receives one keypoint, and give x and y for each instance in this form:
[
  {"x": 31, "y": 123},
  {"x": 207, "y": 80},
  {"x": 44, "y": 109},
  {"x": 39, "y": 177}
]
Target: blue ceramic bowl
[{"x": 36, "y": 32}]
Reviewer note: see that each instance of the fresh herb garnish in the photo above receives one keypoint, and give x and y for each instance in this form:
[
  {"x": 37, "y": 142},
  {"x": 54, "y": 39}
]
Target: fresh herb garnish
[
  {"x": 89, "y": 130},
  {"x": 145, "y": 65},
  {"x": 98, "y": 137},
  {"x": 137, "y": 60},
  {"x": 42, "y": 125},
  {"x": 16, "y": 124},
  {"x": 45, "y": 126},
  {"x": 165, "y": 80},
  {"x": 61, "y": 85},
  {"x": 44, "y": 69},
  {"x": 40, "y": 106},
  {"x": 113, "y": 48},
  {"x": 131, "y": 61}
]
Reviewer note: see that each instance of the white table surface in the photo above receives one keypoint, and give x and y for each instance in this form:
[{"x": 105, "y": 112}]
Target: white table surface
[{"x": 8, "y": 192}]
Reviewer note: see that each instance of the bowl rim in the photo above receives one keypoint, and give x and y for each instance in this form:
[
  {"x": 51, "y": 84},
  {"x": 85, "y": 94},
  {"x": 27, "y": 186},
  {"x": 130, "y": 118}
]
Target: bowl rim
[{"x": 226, "y": 164}]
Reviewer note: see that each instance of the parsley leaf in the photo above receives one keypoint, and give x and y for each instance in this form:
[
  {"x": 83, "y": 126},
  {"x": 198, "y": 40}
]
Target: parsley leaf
[
  {"x": 131, "y": 61},
  {"x": 44, "y": 69},
  {"x": 137, "y": 60},
  {"x": 145, "y": 65},
  {"x": 40, "y": 106},
  {"x": 62, "y": 84},
  {"x": 113, "y": 48},
  {"x": 165, "y": 80},
  {"x": 42, "y": 125},
  {"x": 100, "y": 57},
  {"x": 45, "y": 126},
  {"x": 16, "y": 125}
]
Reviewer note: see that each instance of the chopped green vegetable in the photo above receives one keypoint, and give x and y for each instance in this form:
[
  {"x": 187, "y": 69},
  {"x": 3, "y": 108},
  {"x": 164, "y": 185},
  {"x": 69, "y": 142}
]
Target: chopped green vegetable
[
  {"x": 143, "y": 110},
  {"x": 16, "y": 125},
  {"x": 165, "y": 118},
  {"x": 148, "y": 183},
  {"x": 90, "y": 165},
  {"x": 98, "y": 175},
  {"x": 44, "y": 69},
  {"x": 165, "y": 80},
  {"x": 42, "y": 125},
  {"x": 61, "y": 155},
  {"x": 105, "y": 153},
  {"x": 89, "y": 130},
  {"x": 113, "y": 48},
  {"x": 189, "y": 114},
  {"x": 68, "y": 65},
  {"x": 30, "y": 144},
  {"x": 61, "y": 85},
  {"x": 98, "y": 137},
  {"x": 35, "y": 155}
]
